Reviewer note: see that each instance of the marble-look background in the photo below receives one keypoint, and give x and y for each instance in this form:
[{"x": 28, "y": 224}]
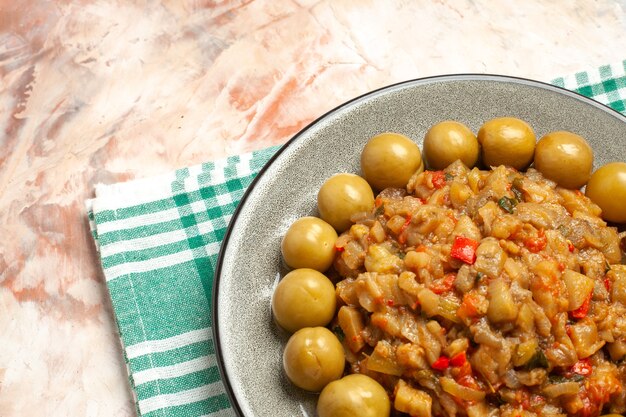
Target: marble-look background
[{"x": 100, "y": 91}]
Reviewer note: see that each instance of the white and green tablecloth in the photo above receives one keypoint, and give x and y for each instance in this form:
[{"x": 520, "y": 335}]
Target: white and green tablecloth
[{"x": 158, "y": 240}]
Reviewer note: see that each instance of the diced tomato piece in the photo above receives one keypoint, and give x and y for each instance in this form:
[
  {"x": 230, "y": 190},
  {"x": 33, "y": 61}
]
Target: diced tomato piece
[
  {"x": 582, "y": 367},
  {"x": 439, "y": 179},
  {"x": 464, "y": 249},
  {"x": 596, "y": 394},
  {"x": 468, "y": 380},
  {"x": 443, "y": 285},
  {"x": 536, "y": 244},
  {"x": 582, "y": 311}
]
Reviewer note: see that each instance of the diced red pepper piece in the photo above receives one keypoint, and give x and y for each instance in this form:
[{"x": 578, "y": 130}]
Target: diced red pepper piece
[
  {"x": 439, "y": 179},
  {"x": 441, "y": 364},
  {"x": 582, "y": 367},
  {"x": 570, "y": 246},
  {"x": 459, "y": 359},
  {"x": 339, "y": 248},
  {"x": 444, "y": 285},
  {"x": 464, "y": 249},
  {"x": 582, "y": 311},
  {"x": 607, "y": 284}
]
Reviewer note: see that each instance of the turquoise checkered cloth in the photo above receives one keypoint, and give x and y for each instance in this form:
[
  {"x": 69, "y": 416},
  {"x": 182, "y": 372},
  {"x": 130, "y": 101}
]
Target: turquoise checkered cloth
[{"x": 158, "y": 240}]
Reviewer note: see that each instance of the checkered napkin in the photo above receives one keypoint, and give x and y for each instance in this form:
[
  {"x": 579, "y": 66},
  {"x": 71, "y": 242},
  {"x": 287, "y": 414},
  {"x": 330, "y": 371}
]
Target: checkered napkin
[{"x": 158, "y": 240}]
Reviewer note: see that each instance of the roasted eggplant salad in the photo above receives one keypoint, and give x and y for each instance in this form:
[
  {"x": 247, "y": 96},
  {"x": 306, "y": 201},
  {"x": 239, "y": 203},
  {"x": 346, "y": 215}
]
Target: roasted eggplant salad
[{"x": 471, "y": 277}]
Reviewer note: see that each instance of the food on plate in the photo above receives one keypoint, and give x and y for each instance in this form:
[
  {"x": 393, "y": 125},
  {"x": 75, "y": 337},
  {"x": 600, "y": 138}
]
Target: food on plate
[
  {"x": 505, "y": 297},
  {"x": 507, "y": 141},
  {"x": 447, "y": 141},
  {"x": 565, "y": 158},
  {"x": 389, "y": 160},
  {"x": 342, "y": 196},
  {"x": 353, "y": 395},
  {"x": 313, "y": 357},
  {"x": 469, "y": 292},
  {"x": 607, "y": 188},
  {"x": 303, "y": 298},
  {"x": 309, "y": 243}
]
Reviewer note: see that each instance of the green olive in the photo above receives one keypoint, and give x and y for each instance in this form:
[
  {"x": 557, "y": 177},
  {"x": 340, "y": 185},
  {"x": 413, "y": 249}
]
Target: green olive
[
  {"x": 389, "y": 160},
  {"x": 355, "y": 395},
  {"x": 313, "y": 357},
  {"x": 564, "y": 158},
  {"x": 309, "y": 243},
  {"x": 607, "y": 188},
  {"x": 448, "y": 141},
  {"x": 303, "y": 298},
  {"x": 507, "y": 141},
  {"x": 341, "y": 197}
]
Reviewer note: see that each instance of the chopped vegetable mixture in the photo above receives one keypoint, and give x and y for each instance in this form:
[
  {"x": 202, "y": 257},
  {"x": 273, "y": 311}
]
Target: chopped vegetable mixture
[{"x": 485, "y": 293}]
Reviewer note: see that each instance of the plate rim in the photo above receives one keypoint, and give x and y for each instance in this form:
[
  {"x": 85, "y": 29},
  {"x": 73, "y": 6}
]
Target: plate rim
[{"x": 234, "y": 402}]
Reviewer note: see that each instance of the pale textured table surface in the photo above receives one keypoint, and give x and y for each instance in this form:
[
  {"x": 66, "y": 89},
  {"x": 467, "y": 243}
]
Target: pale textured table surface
[{"x": 105, "y": 91}]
